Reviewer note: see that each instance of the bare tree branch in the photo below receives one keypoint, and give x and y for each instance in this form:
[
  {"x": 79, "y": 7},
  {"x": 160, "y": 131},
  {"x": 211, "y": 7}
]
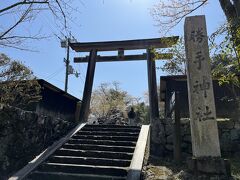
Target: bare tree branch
[
  {"x": 25, "y": 12},
  {"x": 25, "y": 2},
  {"x": 24, "y": 15},
  {"x": 18, "y": 47},
  {"x": 64, "y": 16},
  {"x": 169, "y": 13},
  {"x": 24, "y": 37}
]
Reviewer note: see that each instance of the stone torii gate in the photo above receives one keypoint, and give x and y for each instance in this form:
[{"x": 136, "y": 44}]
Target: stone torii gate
[{"x": 120, "y": 46}]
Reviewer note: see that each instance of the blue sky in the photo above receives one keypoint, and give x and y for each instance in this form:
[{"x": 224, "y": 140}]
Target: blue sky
[{"x": 102, "y": 20}]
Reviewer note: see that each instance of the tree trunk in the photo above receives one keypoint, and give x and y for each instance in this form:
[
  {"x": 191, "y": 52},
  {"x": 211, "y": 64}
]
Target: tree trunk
[
  {"x": 231, "y": 10},
  {"x": 237, "y": 6},
  {"x": 232, "y": 13}
]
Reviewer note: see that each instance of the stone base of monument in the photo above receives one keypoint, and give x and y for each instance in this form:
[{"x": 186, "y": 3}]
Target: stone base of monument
[{"x": 209, "y": 166}]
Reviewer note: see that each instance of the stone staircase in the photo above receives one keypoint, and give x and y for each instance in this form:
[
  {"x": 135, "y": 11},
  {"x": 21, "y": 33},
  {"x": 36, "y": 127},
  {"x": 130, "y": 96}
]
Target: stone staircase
[{"x": 93, "y": 152}]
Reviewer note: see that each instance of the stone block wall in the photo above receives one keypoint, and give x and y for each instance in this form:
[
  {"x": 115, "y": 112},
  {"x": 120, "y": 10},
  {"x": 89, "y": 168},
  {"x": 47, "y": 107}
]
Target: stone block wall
[
  {"x": 24, "y": 134},
  {"x": 229, "y": 136}
]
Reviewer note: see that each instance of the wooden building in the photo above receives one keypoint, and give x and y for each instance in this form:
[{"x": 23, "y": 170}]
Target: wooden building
[
  {"x": 226, "y": 105},
  {"x": 56, "y": 102}
]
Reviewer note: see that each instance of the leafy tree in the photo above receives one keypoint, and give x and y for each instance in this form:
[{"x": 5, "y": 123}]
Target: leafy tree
[
  {"x": 142, "y": 113},
  {"x": 225, "y": 66},
  {"x": 225, "y": 55},
  {"x": 169, "y": 13},
  {"x": 225, "y": 61},
  {"x": 160, "y": 104},
  {"x": 176, "y": 65},
  {"x": 108, "y": 98},
  {"x": 18, "y": 86}
]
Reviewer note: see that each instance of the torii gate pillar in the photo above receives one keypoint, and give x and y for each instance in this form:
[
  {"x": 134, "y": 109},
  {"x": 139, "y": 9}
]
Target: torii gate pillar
[
  {"x": 152, "y": 87},
  {"x": 153, "y": 102},
  {"x": 85, "y": 106}
]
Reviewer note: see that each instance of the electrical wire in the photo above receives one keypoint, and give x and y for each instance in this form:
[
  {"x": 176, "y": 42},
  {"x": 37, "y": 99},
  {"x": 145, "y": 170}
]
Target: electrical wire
[{"x": 55, "y": 73}]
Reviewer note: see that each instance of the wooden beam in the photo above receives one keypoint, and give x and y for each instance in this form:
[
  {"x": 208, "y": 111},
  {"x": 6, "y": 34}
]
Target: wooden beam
[
  {"x": 84, "y": 111},
  {"x": 177, "y": 129},
  {"x": 120, "y": 53},
  {"x": 164, "y": 42},
  {"x": 152, "y": 87},
  {"x": 153, "y": 99},
  {"x": 124, "y": 58}
]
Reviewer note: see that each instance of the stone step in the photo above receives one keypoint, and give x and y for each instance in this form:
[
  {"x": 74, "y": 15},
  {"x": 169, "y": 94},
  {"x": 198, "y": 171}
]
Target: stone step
[
  {"x": 112, "y": 126},
  {"x": 94, "y": 154},
  {"x": 99, "y": 147},
  {"x": 111, "y": 129},
  {"x": 89, "y": 161},
  {"x": 102, "y": 142},
  {"x": 120, "y": 138},
  {"x": 83, "y": 169},
  {"x": 70, "y": 176},
  {"x": 107, "y": 133}
]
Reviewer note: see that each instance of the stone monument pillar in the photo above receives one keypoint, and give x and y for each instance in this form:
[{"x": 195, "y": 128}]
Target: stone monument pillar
[{"x": 204, "y": 130}]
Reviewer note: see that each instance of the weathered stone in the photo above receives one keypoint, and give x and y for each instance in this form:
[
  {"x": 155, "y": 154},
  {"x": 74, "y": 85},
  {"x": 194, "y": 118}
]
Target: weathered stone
[
  {"x": 114, "y": 116},
  {"x": 157, "y": 149},
  {"x": 158, "y": 139},
  {"x": 22, "y": 137},
  {"x": 186, "y": 155},
  {"x": 227, "y": 145},
  {"x": 235, "y": 134},
  {"x": 162, "y": 138},
  {"x": 183, "y": 175},
  {"x": 237, "y": 124},
  {"x": 209, "y": 165},
  {"x": 225, "y": 125},
  {"x": 184, "y": 145},
  {"x": 225, "y": 142},
  {"x": 157, "y": 172},
  {"x": 189, "y": 149},
  {"x": 170, "y": 139},
  {"x": 185, "y": 121},
  {"x": 157, "y": 132},
  {"x": 169, "y": 129},
  {"x": 186, "y": 129},
  {"x": 187, "y": 138},
  {"x": 169, "y": 147},
  {"x": 237, "y": 154},
  {"x": 204, "y": 131}
]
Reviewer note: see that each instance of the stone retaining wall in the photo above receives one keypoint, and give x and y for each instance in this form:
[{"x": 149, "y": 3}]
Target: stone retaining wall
[
  {"x": 24, "y": 134},
  {"x": 229, "y": 135}
]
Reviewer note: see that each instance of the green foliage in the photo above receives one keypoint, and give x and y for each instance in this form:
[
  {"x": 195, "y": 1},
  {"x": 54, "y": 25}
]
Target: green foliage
[
  {"x": 225, "y": 69},
  {"x": 176, "y": 65},
  {"x": 18, "y": 86},
  {"x": 142, "y": 113},
  {"x": 169, "y": 13},
  {"x": 225, "y": 59},
  {"x": 235, "y": 167}
]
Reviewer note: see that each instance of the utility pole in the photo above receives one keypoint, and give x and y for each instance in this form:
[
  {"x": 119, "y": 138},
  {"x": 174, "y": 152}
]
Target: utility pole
[
  {"x": 67, "y": 66},
  {"x": 69, "y": 69}
]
